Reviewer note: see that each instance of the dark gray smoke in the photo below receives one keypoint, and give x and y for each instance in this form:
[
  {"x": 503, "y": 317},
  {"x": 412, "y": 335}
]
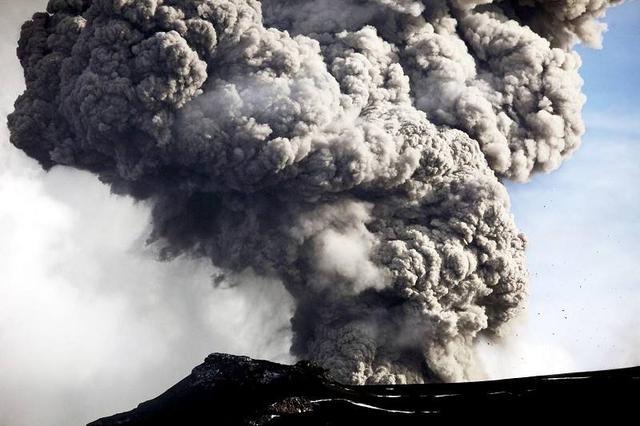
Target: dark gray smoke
[{"x": 349, "y": 148}]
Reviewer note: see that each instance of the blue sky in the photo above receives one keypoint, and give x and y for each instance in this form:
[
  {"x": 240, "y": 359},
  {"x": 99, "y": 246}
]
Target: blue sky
[{"x": 583, "y": 226}]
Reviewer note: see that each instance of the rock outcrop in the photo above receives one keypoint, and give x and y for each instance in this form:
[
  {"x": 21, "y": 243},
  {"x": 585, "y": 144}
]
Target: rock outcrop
[{"x": 236, "y": 390}]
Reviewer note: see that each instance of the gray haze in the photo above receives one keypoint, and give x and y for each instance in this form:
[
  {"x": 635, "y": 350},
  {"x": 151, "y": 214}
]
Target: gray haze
[{"x": 350, "y": 149}]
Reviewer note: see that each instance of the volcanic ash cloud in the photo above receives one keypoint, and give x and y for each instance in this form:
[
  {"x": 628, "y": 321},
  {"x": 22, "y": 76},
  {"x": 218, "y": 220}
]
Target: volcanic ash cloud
[{"x": 351, "y": 149}]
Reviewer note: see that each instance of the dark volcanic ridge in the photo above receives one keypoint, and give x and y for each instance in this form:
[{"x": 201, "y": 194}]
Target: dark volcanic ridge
[{"x": 237, "y": 390}]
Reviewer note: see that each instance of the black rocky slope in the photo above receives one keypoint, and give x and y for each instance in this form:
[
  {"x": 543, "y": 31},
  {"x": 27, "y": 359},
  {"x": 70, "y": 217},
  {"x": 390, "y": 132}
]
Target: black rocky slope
[{"x": 234, "y": 390}]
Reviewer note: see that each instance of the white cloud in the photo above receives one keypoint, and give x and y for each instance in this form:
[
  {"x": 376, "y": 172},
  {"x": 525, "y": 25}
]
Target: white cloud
[
  {"x": 90, "y": 322},
  {"x": 89, "y": 314}
]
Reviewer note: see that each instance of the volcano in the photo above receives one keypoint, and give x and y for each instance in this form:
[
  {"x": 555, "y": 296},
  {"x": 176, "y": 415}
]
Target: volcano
[{"x": 237, "y": 390}]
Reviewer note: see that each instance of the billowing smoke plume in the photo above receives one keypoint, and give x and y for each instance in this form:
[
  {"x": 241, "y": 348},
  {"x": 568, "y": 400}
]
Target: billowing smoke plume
[{"x": 350, "y": 148}]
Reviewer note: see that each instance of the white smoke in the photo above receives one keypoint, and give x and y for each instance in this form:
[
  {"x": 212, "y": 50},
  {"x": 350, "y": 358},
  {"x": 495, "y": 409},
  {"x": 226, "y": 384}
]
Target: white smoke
[{"x": 92, "y": 326}]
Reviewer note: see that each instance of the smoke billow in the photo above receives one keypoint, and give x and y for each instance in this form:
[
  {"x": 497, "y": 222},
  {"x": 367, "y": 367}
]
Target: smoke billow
[{"x": 351, "y": 149}]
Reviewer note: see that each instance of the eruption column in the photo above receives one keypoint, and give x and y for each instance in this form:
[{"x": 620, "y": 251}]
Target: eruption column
[{"x": 352, "y": 149}]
